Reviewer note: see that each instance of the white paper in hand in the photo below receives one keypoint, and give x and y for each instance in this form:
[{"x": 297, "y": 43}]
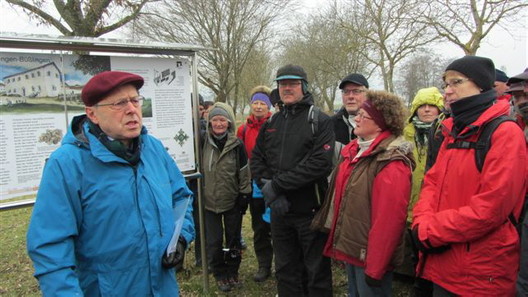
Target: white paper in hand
[{"x": 179, "y": 215}]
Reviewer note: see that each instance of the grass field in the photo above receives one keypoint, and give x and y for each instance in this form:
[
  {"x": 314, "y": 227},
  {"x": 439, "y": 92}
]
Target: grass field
[{"x": 16, "y": 271}]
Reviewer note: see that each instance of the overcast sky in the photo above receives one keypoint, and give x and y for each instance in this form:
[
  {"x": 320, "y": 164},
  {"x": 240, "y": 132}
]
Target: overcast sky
[{"x": 508, "y": 52}]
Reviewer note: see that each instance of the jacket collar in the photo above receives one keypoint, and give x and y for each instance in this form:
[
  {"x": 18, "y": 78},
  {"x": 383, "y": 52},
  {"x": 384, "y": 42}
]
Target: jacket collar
[{"x": 499, "y": 108}]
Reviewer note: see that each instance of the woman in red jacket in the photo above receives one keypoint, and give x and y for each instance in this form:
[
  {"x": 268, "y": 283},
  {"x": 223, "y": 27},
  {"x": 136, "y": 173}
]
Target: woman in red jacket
[
  {"x": 366, "y": 205},
  {"x": 463, "y": 219},
  {"x": 248, "y": 132}
]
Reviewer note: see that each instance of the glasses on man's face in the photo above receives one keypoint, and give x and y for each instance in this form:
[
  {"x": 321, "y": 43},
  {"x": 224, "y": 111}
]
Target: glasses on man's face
[
  {"x": 361, "y": 116},
  {"x": 453, "y": 83},
  {"x": 122, "y": 103},
  {"x": 352, "y": 91},
  {"x": 290, "y": 84}
]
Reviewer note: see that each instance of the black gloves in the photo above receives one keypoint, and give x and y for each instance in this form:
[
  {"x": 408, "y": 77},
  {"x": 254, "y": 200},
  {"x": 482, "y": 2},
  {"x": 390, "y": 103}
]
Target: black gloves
[
  {"x": 277, "y": 202},
  {"x": 268, "y": 192},
  {"x": 427, "y": 249},
  {"x": 242, "y": 202},
  {"x": 280, "y": 206},
  {"x": 372, "y": 282},
  {"x": 175, "y": 259}
]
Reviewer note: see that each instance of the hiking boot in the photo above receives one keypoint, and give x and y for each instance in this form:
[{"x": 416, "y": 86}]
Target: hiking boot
[
  {"x": 262, "y": 274},
  {"x": 224, "y": 285},
  {"x": 235, "y": 282}
]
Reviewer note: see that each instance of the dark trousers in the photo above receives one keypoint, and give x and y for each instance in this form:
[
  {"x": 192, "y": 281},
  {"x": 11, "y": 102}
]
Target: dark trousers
[
  {"x": 441, "y": 292},
  {"x": 261, "y": 233},
  {"x": 223, "y": 262},
  {"x": 299, "y": 249}
]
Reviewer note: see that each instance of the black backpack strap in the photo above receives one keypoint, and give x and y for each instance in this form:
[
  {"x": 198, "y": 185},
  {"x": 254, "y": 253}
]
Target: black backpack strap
[
  {"x": 313, "y": 118},
  {"x": 483, "y": 143}
]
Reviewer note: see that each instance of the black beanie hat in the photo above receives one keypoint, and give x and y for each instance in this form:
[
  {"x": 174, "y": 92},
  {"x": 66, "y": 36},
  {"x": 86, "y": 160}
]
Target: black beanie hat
[{"x": 479, "y": 70}]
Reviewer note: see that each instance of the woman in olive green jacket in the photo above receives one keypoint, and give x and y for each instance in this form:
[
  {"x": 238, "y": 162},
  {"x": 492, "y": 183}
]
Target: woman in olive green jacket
[{"x": 227, "y": 186}]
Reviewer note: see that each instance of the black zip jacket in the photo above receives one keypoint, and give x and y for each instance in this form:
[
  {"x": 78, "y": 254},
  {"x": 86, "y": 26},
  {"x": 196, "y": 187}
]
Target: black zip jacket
[
  {"x": 341, "y": 128},
  {"x": 296, "y": 159}
]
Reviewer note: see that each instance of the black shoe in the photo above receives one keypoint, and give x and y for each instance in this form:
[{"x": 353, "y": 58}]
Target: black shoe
[
  {"x": 262, "y": 274},
  {"x": 224, "y": 285},
  {"x": 235, "y": 282}
]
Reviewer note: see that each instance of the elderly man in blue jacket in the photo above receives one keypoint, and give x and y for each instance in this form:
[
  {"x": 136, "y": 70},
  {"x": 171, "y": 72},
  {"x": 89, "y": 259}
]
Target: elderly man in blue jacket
[{"x": 109, "y": 202}]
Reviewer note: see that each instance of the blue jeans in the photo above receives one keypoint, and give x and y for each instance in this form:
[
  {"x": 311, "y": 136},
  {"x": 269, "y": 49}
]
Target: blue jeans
[{"x": 357, "y": 286}]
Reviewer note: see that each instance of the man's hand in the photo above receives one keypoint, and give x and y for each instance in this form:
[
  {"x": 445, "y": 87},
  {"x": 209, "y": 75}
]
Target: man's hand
[
  {"x": 280, "y": 206},
  {"x": 175, "y": 259},
  {"x": 268, "y": 192},
  {"x": 425, "y": 248}
]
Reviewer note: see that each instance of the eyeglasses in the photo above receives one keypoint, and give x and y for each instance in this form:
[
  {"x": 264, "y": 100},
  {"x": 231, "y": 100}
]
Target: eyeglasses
[
  {"x": 283, "y": 84},
  {"x": 362, "y": 116},
  {"x": 122, "y": 103},
  {"x": 354, "y": 91},
  {"x": 454, "y": 82}
]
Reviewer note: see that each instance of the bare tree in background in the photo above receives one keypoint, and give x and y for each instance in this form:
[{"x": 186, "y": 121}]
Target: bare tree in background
[
  {"x": 390, "y": 29},
  {"x": 466, "y": 23},
  {"x": 89, "y": 18},
  {"x": 422, "y": 70},
  {"x": 233, "y": 28},
  {"x": 257, "y": 71},
  {"x": 326, "y": 52}
]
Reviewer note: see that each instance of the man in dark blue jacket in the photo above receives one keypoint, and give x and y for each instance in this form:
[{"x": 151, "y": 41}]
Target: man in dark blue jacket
[
  {"x": 353, "y": 91},
  {"x": 291, "y": 161}
]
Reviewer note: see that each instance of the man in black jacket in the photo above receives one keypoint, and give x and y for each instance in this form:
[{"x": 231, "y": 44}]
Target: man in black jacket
[
  {"x": 353, "y": 91},
  {"x": 291, "y": 162}
]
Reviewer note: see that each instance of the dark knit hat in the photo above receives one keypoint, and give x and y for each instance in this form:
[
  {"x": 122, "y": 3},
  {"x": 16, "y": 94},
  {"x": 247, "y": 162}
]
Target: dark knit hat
[
  {"x": 291, "y": 72},
  {"x": 105, "y": 82},
  {"x": 219, "y": 111},
  {"x": 479, "y": 70},
  {"x": 500, "y": 76},
  {"x": 354, "y": 78}
]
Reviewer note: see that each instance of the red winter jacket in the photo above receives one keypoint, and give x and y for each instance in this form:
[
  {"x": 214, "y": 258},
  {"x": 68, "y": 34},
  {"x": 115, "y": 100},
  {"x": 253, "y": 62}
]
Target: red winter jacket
[
  {"x": 468, "y": 210},
  {"x": 248, "y": 132},
  {"x": 389, "y": 199}
]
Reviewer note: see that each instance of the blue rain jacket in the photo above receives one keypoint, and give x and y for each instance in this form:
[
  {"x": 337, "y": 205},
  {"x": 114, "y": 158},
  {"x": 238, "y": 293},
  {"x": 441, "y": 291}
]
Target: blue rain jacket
[{"x": 100, "y": 226}]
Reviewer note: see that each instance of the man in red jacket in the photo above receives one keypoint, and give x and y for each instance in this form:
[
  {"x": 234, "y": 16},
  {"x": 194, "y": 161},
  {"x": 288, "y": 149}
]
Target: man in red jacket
[{"x": 469, "y": 245}]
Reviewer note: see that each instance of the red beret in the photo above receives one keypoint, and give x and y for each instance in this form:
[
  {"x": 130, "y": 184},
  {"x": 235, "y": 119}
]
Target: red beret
[{"x": 105, "y": 82}]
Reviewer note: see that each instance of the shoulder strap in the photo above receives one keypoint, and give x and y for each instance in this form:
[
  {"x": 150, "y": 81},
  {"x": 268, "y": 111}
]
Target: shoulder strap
[
  {"x": 483, "y": 143},
  {"x": 313, "y": 118},
  {"x": 244, "y": 132}
]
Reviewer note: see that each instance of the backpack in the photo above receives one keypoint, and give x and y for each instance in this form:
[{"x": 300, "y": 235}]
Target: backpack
[{"x": 481, "y": 147}]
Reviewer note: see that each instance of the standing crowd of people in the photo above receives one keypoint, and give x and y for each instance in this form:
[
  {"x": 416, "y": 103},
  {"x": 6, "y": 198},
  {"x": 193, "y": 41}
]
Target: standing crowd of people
[{"x": 436, "y": 193}]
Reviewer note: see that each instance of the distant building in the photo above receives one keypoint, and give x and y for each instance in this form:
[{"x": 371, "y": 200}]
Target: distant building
[{"x": 42, "y": 81}]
